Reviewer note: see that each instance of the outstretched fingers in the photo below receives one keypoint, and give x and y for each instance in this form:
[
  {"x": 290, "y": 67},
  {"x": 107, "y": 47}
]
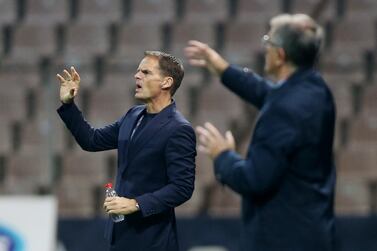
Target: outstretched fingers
[
  {"x": 68, "y": 76},
  {"x": 205, "y": 138},
  {"x": 60, "y": 78},
  {"x": 230, "y": 139},
  {"x": 196, "y": 52},
  {"x": 196, "y": 43},
  {"x": 198, "y": 62},
  {"x": 212, "y": 142},
  {"x": 213, "y": 130},
  {"x": 204, "y": 135},
  {"x": 74, "y": 74}
]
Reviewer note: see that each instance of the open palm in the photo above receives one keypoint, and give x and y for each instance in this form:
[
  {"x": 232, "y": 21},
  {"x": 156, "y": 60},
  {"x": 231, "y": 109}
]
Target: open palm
[
  {"x": 200, "y": 54},
  {"x": 69, "y": 85}
]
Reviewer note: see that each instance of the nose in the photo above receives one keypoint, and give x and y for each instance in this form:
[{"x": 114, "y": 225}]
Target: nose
[{"x": 137, "y": 75}]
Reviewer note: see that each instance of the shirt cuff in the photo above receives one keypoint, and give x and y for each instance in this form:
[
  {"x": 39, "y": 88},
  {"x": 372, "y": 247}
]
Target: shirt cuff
[
  {"x": 233, "y": 72},
  {"x": 145, "y": 208},
  {"x": 219, "y": 164},
  {"x": 65, "y": 106}
]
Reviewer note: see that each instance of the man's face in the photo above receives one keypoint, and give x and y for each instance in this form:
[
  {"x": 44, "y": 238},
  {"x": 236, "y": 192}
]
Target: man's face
[{"x": 148, "y": 79}]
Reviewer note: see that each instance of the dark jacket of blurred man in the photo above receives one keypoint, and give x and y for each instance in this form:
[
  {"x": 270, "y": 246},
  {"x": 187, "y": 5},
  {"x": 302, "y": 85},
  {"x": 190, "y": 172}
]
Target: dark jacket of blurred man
[
  {"x": 156, "y": 155},
  {"x": 287, "y": 178}
]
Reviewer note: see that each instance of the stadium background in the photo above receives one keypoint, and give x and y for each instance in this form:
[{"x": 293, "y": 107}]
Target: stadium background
[{"x": 105, "y": 40}]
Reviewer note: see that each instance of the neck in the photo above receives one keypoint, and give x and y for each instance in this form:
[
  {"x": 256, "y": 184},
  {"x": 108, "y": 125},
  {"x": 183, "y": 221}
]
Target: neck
[
  {"x": 155, "y": 106},
  {"x": 285, "y": 71}
]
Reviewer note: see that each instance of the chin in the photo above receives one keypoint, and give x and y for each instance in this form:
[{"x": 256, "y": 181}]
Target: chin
[
  {"x": 139, "y": 98},
  {"x": 137, "y": 95}
]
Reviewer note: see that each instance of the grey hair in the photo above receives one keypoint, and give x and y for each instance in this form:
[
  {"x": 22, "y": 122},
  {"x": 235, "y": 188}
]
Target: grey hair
[{"x": 299, "y": 36}]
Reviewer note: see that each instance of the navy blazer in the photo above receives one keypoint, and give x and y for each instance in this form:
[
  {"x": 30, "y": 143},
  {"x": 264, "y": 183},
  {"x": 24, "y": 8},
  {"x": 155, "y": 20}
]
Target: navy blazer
[
  {"x": 157, "y": 168},
  {"x": 287, "y": 179}
]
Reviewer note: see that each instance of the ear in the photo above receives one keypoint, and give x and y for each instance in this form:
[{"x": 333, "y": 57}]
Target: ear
[
  {"x": 167, "y": 83},
  {"x": 281, "y": 54}
]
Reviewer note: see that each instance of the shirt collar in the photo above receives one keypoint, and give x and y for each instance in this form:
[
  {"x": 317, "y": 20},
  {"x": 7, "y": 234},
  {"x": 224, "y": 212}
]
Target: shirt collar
[{"x": 276, "y": 85}]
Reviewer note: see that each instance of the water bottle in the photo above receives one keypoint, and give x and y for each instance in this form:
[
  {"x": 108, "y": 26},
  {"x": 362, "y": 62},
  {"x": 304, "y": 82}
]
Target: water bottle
[{"x": 110, "y": 192}]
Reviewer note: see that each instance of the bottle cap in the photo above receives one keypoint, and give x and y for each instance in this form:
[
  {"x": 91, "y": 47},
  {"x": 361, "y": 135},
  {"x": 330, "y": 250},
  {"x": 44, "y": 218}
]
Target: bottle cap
[{"x": 109, "y": 185}]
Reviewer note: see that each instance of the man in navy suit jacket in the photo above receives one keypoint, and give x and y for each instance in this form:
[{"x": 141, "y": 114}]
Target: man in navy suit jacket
[
  {"x": 156, "y": 155},
  {"x": 287, "y": 178}
]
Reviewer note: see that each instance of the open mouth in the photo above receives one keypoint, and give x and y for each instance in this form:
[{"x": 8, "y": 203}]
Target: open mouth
[{"x": 138, "y": 86}]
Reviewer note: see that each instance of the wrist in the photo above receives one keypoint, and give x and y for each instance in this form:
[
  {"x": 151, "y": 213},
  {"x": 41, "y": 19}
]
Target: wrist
[
  {"x": 222, "y": 66},
  {"x": 137, "y": 206},
  {"x": 66, "y": 101},
  {"x": 219, "y": 64},
  {"x": 216, "y": 154}
]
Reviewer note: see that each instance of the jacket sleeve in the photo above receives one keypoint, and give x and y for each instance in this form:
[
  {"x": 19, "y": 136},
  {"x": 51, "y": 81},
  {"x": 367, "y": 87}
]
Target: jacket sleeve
[
  {"x": 246, "y": 84},
  {"x": 274, "y": 142},
  {"x": 89, "y": 138},
  {"x": 180, "y": 160}
]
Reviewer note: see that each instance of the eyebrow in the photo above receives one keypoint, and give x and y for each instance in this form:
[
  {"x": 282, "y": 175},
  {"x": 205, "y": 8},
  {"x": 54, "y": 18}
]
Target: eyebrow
[{"x": 143, "y": 70}]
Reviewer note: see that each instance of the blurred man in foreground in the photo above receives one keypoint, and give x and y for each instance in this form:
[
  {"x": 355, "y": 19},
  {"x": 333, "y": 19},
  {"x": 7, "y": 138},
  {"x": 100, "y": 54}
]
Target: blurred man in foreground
[
  {"x": 156, "y": 155},
  {"x": 287, "y": 178}
]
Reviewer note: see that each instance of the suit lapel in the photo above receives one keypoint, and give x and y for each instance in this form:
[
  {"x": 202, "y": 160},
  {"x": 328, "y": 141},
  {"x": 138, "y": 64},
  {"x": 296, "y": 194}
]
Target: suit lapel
[
  {"x": 134, "y": 117},
  {"x": 150, "y": 130},
  {"x": 129, "y": 125}
]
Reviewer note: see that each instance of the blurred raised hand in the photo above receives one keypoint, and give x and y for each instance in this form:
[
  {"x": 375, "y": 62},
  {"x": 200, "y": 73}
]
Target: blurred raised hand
[
  {"x": 212, "y": 142},
  {"x": 201, "y": 55},
  {"x": 69, "y": 85}
]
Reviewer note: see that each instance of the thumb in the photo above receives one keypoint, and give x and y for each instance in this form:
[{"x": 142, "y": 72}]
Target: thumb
[
  {"x": 72, "y": 92},
  {"x": 230, "y": 139}
]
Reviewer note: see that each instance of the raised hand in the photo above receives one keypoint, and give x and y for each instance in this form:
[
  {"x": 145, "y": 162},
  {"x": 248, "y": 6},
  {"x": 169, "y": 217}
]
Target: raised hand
[
  {"x": 69, "y": 85},
  {"x": 200, "y": 54},
  {"x": 212, "y": 142}
]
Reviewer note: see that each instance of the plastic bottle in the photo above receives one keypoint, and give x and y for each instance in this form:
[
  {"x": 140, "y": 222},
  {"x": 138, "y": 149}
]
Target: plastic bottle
[{"x": 110, "y": 192}]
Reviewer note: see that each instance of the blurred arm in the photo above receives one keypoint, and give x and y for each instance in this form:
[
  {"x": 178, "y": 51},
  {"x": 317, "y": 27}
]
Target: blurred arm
[
  {"x": 248, "y": 85},
  {"x": 244, "y": 83},
  {"x": 268, "y": 157}
]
